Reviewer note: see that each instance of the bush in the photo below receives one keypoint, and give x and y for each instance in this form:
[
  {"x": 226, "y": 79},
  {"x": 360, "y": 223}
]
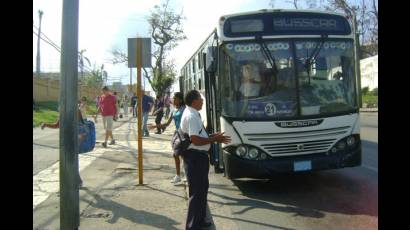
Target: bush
[
  {"x": 375, "y": 91},
  {"x": 48, "y": 105},
  {"x": 365, "y": 90},
  {"x": 370, "y": 101}
]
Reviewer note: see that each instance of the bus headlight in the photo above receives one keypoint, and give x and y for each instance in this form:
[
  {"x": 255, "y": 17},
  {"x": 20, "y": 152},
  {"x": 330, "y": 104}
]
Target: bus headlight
[
  {"x": 350, "y": 141},
  {"x": 241, "y": 151},
  {"x": 253, "y": 153},
  {"x": 263, "y": 156}
]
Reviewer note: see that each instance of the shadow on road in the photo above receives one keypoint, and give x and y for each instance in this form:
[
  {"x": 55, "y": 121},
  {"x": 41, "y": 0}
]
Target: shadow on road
[{"x": 310, "y": 194}]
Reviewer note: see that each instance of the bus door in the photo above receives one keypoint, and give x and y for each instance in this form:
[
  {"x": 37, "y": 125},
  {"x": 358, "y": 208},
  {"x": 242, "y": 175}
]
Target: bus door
[{"x": 212, "y": 116}]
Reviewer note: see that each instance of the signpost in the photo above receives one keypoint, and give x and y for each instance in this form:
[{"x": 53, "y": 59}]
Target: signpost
[{"x": 139, "y": 55}]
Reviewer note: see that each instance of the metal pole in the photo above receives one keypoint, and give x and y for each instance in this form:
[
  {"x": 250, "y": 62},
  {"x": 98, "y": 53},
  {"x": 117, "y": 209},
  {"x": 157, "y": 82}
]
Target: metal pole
[
  {"x": 139, "y": 93},
  {"x": 69, "y": 194},
  {"x": 40, "y": 15},
  {"x": 357, "y": 62},
  {"x": 130, "y": 80}
]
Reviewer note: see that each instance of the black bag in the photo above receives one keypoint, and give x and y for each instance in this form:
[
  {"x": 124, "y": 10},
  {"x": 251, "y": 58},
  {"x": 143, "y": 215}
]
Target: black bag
[{"x": 180, "y": 142}]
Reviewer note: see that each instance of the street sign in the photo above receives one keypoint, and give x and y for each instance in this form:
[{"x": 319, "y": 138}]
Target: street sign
[{"x": 145, "y": 52}]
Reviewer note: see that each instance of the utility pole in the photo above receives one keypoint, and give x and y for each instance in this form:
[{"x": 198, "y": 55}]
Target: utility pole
[
  {"x": 69, "y": 191},
  {"x": 40, "y": 15}
]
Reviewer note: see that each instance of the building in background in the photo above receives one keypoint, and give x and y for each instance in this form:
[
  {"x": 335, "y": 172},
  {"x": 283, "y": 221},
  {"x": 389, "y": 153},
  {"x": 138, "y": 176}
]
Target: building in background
[{"x": 369, "y": 72}]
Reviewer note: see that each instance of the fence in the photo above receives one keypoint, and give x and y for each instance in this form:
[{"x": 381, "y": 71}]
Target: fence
[{"x": 49, "y": 90}]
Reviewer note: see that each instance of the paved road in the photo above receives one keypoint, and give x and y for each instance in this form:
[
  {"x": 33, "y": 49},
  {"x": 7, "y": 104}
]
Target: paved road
[
  {"x": 45, "y": 148},
  {"x": 46, "y": 145},
  {"x": 335, "y": 199},
  {"x": 369, "y": 135}
]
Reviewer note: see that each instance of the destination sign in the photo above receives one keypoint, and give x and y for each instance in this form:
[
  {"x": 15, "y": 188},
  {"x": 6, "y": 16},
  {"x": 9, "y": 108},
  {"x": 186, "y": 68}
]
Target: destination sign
[
  {"x": 304, "y": 23},
  {"x": 286, "y": 23}
]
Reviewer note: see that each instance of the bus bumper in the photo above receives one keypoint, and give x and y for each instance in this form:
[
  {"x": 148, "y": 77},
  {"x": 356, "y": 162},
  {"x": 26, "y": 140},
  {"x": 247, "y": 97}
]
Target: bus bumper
[{"x": 236, "y": 167}]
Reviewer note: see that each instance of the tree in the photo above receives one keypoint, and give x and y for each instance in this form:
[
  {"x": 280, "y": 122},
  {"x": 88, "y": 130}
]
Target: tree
[
  {"x": 94, "y": 78},
  {"x": 166, "y": 31},
  {"x": 366, "y": 12},
  {"x": 272, "y": 3},
  {"x": 374, "y": 19},
  {"x": 294, "y": 2},
  {"x": 81, "y": 58}
]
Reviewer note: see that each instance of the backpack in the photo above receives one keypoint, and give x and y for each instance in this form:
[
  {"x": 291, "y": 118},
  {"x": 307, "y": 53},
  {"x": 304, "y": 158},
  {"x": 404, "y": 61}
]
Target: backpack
[{"x": 86, "y": 127}]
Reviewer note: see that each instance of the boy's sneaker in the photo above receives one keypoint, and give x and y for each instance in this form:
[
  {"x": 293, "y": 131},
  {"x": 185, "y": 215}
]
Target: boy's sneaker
[
  {"x": 112, "y": 142},
  {"x": 184, "y": 179},
  {"x": 176, "y": 179},
  {"x": 104, "y": 144}
]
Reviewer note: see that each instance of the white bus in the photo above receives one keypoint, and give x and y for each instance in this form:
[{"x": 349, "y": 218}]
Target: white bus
[{"x": 282, "y": 84}]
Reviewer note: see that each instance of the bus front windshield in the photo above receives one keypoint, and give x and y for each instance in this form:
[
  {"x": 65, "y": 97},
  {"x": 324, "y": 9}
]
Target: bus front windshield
[{"x": 255, "y": 85}]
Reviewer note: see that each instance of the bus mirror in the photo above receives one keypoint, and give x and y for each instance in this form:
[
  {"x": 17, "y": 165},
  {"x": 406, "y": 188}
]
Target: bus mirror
[{"x": 210, "y": 60}]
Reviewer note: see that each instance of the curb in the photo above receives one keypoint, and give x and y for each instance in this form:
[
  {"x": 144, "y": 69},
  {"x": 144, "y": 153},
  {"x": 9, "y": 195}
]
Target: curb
[{"x": 369, "y": 109}]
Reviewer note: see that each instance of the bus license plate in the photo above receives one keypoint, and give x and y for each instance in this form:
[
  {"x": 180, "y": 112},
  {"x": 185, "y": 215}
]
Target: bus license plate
[{"x": 302, "y": 166}]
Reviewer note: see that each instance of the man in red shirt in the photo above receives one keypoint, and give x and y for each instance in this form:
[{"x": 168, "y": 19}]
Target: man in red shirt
[{"x": 108, "y": 109}]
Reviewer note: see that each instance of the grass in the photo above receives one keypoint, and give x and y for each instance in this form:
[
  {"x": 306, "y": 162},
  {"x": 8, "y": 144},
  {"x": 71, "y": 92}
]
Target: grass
[
  {"x": 47, "y": 112},
  {"x": 91, "y": 109},
  {"x": 370, "y": 100},
  {"x": 44, "y": 114}
]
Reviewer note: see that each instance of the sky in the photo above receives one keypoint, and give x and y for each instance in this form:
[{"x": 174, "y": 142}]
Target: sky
[{"x": 106, "y": 24}]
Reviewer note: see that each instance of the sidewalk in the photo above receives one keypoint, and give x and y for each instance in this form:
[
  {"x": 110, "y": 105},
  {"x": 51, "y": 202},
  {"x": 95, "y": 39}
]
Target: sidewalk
[{"x": 111, "y": 197}]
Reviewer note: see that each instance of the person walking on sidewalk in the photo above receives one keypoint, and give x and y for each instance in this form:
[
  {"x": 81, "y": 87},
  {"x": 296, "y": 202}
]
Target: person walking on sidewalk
[
  {"x": 125, "y": 105},
  {"x": 108, "y": 109},
  {"x": 117, "y": 104},
  {"x": 147, "y": 103},
  {"x": 167, "y": 103},
  {"x": 196, "y": 161},
  {"x": 133, "y": 105},
  {"x": 159, "y": 112},
  {"x": 176, "y": 116}
]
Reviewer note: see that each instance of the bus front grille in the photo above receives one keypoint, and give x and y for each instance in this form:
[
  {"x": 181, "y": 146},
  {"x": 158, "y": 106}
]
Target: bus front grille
[
  {"x": 297, "y": 148},
  {"x": 297, "y": 143}
]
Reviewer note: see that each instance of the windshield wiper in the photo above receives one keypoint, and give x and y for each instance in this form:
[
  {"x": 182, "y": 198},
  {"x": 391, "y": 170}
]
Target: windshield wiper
[
  {"x": 308, "y": 63},
  {"x": 268, "y": 56}
]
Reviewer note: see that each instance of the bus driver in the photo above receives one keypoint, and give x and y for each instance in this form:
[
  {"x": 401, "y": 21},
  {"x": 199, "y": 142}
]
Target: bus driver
[{"x": 251, "y": 80}]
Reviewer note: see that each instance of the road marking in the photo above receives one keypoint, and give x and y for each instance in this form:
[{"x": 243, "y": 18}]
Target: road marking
[{"x": 371, "y": 168}]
